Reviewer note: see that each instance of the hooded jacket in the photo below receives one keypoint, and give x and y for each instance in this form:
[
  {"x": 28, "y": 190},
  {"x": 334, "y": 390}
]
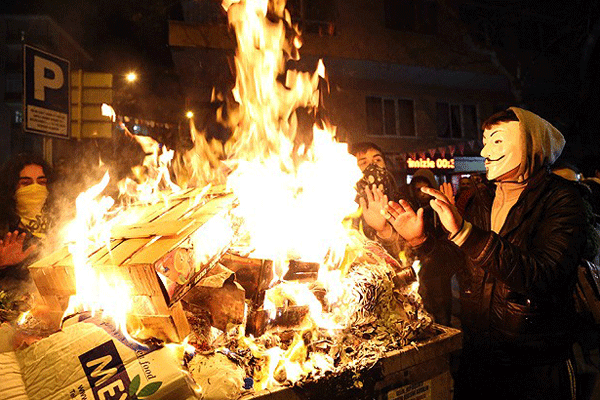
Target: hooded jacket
[
  {"x": 542, "y": 144},
  {"x": 516, "y": 284}
]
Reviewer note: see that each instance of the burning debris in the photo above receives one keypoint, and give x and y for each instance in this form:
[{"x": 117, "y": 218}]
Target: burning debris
[{"x": 256, "y": 279}]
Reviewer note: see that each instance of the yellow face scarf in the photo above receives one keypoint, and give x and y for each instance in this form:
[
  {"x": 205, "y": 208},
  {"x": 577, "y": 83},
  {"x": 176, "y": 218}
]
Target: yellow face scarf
[{"x": 30, "y": 202}]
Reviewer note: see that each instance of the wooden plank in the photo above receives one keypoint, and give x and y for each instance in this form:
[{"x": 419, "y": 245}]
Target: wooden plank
[
  {"x": 219, "y": 189},
  {"x": 41, "y": 280},
  {"x": 145, "y": 280},
  {"x": 165, "y": 208},
  {"x": 213, "y": 191},
  {"x": 186, "y": 193},
  {"x": 145, "y": 213},
  {"x": 159, "y": 248},
  {"x": 65, "y": 262},
  {"x": 180, "y": 320},
  {"x": 213, "y": 207},
  {"x": 156, "y": 228},
  {"x": 68, "y": 260},
  {"x": 103, "y": 252},
  {"x": 51, "y": 259},
  {"x": 175, "y": 212},
  {"x": 123, "y": 251},
  {"x": 151, "y": 211},
  {"x": 155, "y": 251}
]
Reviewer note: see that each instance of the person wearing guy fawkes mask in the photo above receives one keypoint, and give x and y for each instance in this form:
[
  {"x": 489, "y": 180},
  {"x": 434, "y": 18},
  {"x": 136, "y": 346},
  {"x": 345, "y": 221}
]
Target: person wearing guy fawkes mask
[
  {"x": 23, "y": 215},
  {"x": 522, "y": 250}
]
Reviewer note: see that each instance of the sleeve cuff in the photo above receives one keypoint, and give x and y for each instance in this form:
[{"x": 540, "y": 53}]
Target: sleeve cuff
[
  {"x": 390, "y": 240},
  {"x": 461, "y": 237}
]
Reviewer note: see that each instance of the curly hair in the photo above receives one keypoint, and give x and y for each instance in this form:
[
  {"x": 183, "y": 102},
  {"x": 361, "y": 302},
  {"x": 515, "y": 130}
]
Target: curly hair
[{"x": 10, "y": 178}]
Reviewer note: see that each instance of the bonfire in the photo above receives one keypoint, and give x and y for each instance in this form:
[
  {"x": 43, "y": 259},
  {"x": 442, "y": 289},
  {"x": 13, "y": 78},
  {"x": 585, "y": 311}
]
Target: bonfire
[{"x": 247, "y": 264}]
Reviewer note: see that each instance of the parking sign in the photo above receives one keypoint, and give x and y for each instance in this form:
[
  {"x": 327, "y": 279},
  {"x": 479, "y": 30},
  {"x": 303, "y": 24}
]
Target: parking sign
[{"x": 46, "y": 101}]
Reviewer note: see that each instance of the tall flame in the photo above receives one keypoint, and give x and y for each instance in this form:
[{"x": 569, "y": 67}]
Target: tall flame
[
  {"x": 293, "y": 194},
  {"x": 90, "y": 230},
  {"x": 101, "y": 289},
  {"x": 292, "y": 199}
]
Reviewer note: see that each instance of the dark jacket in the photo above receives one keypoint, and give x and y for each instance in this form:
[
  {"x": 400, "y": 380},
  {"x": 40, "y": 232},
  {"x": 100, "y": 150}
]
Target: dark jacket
[
  {"x": 516, "y": 286},
  {"x": 435, "y": 274}
]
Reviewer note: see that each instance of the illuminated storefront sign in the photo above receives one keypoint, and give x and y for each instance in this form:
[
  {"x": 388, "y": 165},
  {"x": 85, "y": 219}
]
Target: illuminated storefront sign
[{"x": 428, "y": 163}]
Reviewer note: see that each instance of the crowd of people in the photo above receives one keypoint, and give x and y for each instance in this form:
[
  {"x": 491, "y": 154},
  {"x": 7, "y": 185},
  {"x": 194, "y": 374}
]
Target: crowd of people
[
  {"x": 514, "y": 245},
  {"x": 512, "y": 239}
]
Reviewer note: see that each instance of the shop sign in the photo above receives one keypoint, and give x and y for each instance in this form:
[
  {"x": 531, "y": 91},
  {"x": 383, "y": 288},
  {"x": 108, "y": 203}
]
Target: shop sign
[{"x": 428, "y": 163}]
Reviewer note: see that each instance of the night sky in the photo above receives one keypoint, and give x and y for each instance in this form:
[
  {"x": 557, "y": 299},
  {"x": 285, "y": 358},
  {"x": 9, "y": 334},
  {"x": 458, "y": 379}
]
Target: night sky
[{"x": 118, "y": 34}]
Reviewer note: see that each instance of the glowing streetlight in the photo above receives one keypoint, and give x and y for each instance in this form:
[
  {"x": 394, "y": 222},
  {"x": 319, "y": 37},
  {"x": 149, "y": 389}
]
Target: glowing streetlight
[
  {"x": 131, "y": 77},
  {"x": 189, "y": 114}
]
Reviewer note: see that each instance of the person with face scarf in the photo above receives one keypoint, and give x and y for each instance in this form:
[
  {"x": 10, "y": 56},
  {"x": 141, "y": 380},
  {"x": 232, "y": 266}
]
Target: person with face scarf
[
  {"x": 370, "y": 160},
  {"x": 522, "y": 249},
  {"x": 434, "y": 275},
  {"x": 23, "y": 214}
]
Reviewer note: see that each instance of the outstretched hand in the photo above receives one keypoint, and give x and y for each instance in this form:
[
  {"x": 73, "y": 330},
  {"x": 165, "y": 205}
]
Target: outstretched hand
[
  {"x": 446, "y": 210},
  {"x": 408, "y": 223},
  {"x": 446, "y": 189},
  {"x": 11, "y": 249},
  {"x": 374, "y": 208}
]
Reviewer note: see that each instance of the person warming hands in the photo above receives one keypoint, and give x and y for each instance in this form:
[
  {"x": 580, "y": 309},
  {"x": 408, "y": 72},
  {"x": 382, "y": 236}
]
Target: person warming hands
[{"x": 522, "y": 248}]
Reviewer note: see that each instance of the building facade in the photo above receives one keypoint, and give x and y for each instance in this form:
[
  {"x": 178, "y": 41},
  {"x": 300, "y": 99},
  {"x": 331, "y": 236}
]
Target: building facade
[
  {"x": 399, "y": 75},
  {"x": 44, "y": 33}
]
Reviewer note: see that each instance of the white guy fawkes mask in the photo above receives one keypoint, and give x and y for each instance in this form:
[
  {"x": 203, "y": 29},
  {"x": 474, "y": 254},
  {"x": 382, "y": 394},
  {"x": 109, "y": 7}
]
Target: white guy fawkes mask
[{"x": 502, "y": 149}]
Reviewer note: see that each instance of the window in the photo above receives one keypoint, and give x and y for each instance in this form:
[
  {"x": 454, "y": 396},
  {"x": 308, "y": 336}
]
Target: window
[
  {"x": 456, "y": 121},
  {"x": 418, "y": 16},
  {"x": 390, "y": 117},
  {"x": 314, "y": 16}
]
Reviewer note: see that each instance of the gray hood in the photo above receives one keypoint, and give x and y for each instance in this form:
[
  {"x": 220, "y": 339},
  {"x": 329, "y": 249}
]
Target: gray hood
[
  {"x": 427, "y": 174},
  {"x": 542, "y": 142}
]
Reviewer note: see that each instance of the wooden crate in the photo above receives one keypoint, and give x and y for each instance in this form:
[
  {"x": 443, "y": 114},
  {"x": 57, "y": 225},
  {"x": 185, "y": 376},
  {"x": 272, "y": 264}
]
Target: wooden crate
[{"x": 132, "y": 256}]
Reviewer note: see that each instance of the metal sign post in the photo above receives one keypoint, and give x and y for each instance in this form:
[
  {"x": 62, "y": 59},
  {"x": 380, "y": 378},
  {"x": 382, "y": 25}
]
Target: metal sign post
[{"x": 46, "y": 102}]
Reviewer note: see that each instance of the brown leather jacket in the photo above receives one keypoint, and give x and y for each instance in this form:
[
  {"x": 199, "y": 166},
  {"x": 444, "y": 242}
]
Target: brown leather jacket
[{"x": 516, "y": 286}]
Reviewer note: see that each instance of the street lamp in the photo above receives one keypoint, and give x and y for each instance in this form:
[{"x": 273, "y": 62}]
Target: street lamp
[
  {"x": 131, "y": 77},
  {"x": 189, "y": 114}
]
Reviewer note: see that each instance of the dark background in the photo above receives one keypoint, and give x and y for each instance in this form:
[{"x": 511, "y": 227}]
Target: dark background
[{"x": 133, "y": 35}]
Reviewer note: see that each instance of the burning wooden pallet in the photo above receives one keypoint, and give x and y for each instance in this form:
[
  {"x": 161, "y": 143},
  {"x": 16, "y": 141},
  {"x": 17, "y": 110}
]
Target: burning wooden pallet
[{"x": 135, "y": 254}]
